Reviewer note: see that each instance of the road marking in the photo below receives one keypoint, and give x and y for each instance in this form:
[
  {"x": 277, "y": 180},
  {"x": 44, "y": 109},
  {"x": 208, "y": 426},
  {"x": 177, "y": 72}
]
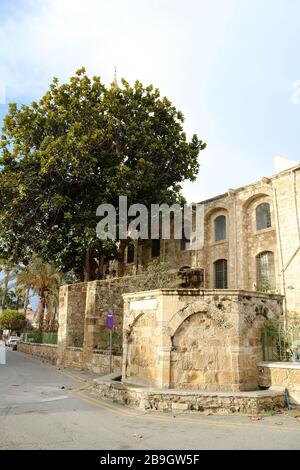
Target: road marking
[
  {"x": 132, "y": 415},
  {"x": 54, "y": 398},
  {"x": 96, "y": 402},
  {"x": 73, "y": 376}
]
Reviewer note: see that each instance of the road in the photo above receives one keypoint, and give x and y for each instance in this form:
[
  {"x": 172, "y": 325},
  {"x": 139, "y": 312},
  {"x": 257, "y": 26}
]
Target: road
[{"x": 42, "y": 407}]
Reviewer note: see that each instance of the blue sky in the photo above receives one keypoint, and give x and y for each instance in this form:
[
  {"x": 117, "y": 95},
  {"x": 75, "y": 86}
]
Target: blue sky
[{"x": 229, "y": 65}]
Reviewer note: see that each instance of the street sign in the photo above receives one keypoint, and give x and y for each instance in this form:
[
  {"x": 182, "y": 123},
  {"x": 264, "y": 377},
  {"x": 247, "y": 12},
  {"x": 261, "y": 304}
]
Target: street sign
[{"x": 110, "y": 321}]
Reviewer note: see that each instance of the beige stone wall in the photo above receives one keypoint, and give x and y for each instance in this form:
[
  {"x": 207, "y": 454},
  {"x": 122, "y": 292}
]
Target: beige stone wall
[
  {"x": 47, "y": 352},
  {"x": 287, "y": 203},
  {"x": 281, "y": 374},
  {"x": 199, "y": 356},
  {"x": 73, "y": 358},
  {"x": 99, "y": 363},
  {"x": 191, "y": 339},
  {"x": 83, "y": 310},
  {"x": 72, "y": 305},
  {"x": 143, "y": 360},
  {"x": 250, "y": 403}
]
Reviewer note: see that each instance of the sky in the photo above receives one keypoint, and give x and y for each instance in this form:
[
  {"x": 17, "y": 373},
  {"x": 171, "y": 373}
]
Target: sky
[{"x": 229, "y": 65}]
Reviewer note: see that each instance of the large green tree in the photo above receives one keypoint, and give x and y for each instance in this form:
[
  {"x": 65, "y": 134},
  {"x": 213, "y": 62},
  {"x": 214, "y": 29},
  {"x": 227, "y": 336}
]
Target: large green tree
[{"x": 81, "y": 145}]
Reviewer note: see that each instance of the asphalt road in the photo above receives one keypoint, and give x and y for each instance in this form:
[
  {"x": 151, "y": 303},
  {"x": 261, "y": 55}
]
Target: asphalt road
[{"x": 42, "y": 407}]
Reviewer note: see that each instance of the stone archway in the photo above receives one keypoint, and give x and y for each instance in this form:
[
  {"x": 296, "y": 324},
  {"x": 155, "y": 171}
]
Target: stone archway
[
  {"x": 140, "y": 349},
  {"x": 194, "y": 354}
]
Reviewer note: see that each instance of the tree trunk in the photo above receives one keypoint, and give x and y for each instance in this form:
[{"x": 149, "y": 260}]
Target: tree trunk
[
  {"x": 26, "y": 299},
  {"x": 86, "y": 268},
  {"x": 42, "y": 309},
  {"x": 100, "y": 268},
  {"x": 90, "y": 267},
  {"x": 5, "y": 289},
  {"x": 121, "y": 258}
]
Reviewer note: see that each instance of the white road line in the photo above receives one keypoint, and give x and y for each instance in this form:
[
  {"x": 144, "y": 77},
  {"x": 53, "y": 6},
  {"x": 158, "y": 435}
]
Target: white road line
[{"x": 54, "y": 398}]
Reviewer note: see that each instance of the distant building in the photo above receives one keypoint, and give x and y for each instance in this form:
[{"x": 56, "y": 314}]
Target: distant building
[{"x": 32, "y": 316}]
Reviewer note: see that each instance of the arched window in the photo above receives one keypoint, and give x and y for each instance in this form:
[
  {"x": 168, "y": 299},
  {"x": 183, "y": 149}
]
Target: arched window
[
  {"x": 220, "y": 228},
  {"x": 220, "y": 267},
  {"x": 263, "y": 216},
  {"x": 265, "y": 271},
  {"x": 155, "y": 248},
  {"x": 130, "y": 253},
  {"x": 185, "y": 238}
]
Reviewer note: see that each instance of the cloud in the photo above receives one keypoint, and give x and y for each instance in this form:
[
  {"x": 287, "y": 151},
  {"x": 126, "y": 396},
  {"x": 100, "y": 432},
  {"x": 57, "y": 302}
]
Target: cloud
[
  {"x": 194, "y": 51},
  {"x": 152, "y": 40}
]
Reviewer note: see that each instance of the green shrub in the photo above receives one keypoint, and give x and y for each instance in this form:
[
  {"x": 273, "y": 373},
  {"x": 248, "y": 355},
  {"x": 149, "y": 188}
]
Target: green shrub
[{"x": 103, "y": 340}]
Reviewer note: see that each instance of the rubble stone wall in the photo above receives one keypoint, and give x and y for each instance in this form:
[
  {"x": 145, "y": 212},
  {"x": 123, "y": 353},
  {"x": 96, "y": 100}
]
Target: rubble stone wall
[
  {"x": 281, "y": 374},
  {"x": 83, "y": 310},
  {"x": 73, "y": 357},
  {"x": 250, "y": 403},
  {"x": 47, "y": 352}
]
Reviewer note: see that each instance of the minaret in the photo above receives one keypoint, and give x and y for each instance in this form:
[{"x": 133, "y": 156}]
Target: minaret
[{"x": 115, "y": 81}]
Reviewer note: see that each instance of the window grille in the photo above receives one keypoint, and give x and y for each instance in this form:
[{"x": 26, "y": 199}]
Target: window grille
[
  {"x": 220, "y": 228},
  {"x": 155, "y": 248},
  {"x": 220, "y": 267},
  {"x": 185, "y": 239},
  {"x": 265, "y": 271},
  {"x": 130, "y": 253},
  {"x": 263, "y": 216}
]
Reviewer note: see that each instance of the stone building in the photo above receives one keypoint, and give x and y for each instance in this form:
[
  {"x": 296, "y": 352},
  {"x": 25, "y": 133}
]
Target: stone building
[{"x": 251, "y": 240}]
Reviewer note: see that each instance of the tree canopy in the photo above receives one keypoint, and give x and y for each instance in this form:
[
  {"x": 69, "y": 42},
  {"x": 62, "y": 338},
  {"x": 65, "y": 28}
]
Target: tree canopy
[
  {"x": 81, "y": 145},
  {"x": 13, "y": 320},
  {"x": 44, "y": 280}
]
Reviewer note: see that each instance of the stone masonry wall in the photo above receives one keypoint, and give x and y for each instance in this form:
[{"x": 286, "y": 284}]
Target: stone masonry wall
[
  {"x": 281, "y": 374},
  {"x": 108, "y": 293},
  {"x": 99, "y": 363},
  {"x": 250, "y": 403},
  {"x": 287, "y": 204},
  {"x": 200, "y": 340},
  {"x": 73, "y": 357},
  {"x": 47, "y": 352},
  {"x": 84, "y": 307}
]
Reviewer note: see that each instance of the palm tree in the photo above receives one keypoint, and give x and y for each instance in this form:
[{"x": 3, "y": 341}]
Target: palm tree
[
  {"x": 43, "y": 279},
  {"x": 9, "y": 273}
]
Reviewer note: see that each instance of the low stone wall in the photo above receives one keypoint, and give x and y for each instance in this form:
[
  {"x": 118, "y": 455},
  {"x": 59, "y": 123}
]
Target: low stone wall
[
  {"x": 73, "y": 357},
  {"x": 281, "y": 374},
  {"x": 83, "y": 310},
  {"x": 250, "y": 403},
  {"x": 98, "y": 365},
  {"x": 47, "y": 352}
]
